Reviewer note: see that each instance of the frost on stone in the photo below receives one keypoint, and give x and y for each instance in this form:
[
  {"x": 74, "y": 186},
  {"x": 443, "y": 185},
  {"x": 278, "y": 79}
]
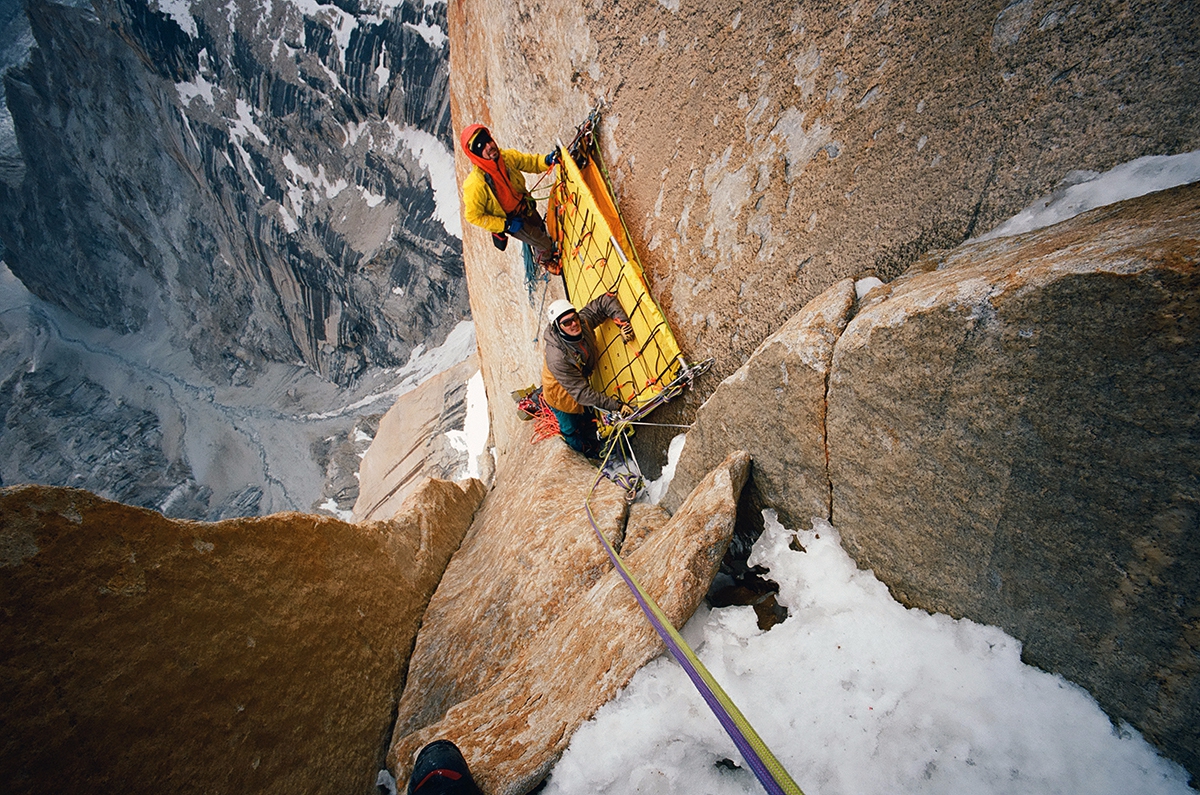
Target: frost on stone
[
  {"x": 1011, "y": 23},
  {"x": 806, "y": 64},
  {"x": 800, "y": 145},
  {"x": 728, "y": 191},
  {"x": 1081, "y": 191}
]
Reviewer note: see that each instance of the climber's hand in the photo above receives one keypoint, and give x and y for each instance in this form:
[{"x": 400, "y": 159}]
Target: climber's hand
[
  {"x": 552, "y": 158},
  {"x": 626, "y": 331},
  {"x": 514, "y": 225}
]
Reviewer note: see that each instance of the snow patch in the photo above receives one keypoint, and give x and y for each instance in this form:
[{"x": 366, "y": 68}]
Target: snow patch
[
  {"x": 245, "y": 125},
  {"x": 289, "y": 223},
  {"x": 438, "y": 163},
  {"x": 249, "y": 164},
  {"x": 856, "y": 694},
  {"x": 655, "y": 489},
  {"x": 373, "y": 199},
  {"x": 354, "y": 131},
  {"x": 181, "y": 12},
  {"x": 340, "y": 22},
  {"x": 472, "y": 439},
  {"x": 330, "y": 506},
  {"x": 319, "y": 180},
  {"x": 1081, "y": 191},
  {"x": 864, "y": 286},
  {"x": 196, "y": 88},
  {"x": 476, "y": 426},
  {"x": 433, "y": 35}
]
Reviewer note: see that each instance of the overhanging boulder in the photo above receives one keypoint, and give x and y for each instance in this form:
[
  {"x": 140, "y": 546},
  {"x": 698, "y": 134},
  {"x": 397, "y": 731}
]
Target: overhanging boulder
[
  {"x": 1014, "y": 437},
  {"x": 774, "y": 408}
]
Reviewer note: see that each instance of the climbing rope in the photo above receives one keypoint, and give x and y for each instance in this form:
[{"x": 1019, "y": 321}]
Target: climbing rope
[
  {"x": 769, "y": 771},
  {"x": 647, "y": 379}
]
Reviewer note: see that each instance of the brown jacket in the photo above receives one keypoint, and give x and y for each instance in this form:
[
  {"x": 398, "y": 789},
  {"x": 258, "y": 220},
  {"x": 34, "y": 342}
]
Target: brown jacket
[{"x": 567, "y": 365}]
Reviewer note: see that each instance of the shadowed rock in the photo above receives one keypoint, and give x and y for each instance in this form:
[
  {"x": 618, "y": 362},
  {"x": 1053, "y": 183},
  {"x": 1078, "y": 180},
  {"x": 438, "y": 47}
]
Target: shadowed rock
[
  {"x": 1014, "y": 437},
  {"x": 774, "y": 408},
  {"x": 513, "y": 731},
  {"x": 143, "y": 654},
  {"x": 529, "y": 554}
]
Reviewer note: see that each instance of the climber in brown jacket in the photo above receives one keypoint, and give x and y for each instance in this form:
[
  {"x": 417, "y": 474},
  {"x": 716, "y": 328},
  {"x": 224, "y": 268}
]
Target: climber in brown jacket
[{"x": 571, "y": 356}]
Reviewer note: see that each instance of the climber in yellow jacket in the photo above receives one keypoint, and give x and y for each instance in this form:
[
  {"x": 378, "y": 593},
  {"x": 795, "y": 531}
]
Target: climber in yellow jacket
[{"x": 495, "y": 197}]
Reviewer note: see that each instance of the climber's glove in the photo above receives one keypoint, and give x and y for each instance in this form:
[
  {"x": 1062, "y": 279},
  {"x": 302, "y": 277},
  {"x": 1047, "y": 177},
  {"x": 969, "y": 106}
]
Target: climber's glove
[
  {"x": 551, "y": 158},
  {"x": 514, "y": 225},
  {"x": 626, "y": 331}
]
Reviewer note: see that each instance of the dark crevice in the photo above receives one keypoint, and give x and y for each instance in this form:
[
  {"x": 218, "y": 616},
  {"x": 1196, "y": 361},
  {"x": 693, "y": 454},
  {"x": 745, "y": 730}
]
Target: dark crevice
[
  {"x": 982, "y": 195},
  {"x": 825, "y": 437},
  {"x": 738, "y": 583}
]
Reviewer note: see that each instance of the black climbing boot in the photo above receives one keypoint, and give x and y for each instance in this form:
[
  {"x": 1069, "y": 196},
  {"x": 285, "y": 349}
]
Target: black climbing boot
[{"x": 441, "y": 770}]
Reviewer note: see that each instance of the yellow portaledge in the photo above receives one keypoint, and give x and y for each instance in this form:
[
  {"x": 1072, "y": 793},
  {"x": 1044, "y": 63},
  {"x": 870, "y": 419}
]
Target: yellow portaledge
[{"x": 597, "y": 258}]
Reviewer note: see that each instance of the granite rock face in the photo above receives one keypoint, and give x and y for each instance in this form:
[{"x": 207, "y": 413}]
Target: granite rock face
[
  {"x": 530, "y": 553},
  {"x": 250, "y": 655},
  {"x": 764, "y": 153},
  {"x": 515, "y": 727},
  {"x": 774, "y": 408},
  {"x": 1014, "y": 437},
  {"x": 412, "y": 443}
]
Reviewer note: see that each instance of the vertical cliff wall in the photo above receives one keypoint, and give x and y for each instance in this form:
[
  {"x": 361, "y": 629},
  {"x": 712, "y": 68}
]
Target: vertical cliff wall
[{"x": 762, "y": 153}]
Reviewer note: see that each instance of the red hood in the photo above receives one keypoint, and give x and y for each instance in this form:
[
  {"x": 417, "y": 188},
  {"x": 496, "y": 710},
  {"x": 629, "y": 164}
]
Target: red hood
[{"x": 465, "y": 139}]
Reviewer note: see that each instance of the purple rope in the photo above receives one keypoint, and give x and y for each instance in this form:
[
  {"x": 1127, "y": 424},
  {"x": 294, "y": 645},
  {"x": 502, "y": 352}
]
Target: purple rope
[{"x": 727, "y": 722}]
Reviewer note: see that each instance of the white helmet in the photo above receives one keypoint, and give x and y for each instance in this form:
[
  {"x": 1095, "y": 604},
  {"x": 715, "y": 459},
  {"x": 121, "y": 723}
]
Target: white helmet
[{"x": 559, "y": 308}]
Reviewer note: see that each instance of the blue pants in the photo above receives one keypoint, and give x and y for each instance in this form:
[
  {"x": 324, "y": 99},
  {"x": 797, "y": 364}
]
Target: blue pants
[{"x": 579, "y": 431}]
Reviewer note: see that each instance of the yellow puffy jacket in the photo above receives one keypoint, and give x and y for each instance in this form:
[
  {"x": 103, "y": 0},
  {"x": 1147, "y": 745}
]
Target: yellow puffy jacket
[{"x": 480, "y": 205}]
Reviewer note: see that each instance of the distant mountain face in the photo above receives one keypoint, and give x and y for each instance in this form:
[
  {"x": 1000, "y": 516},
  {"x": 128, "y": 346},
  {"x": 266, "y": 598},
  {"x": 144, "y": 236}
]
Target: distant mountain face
[
  {"x": 250, "y": 207},
  {"x": 248, "y": 180}
]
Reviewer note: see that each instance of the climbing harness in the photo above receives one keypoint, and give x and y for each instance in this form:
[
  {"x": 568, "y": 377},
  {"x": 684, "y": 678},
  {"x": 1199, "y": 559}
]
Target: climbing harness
[{"x": 597, "y": 258}]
